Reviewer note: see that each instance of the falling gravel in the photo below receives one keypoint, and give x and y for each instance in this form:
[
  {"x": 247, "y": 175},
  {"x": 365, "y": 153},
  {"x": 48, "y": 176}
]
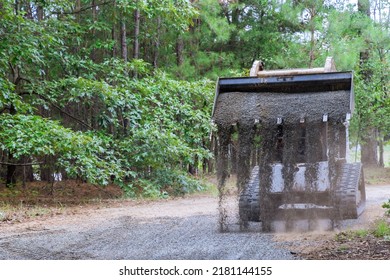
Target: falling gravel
[{"x": 293, "y": 128}]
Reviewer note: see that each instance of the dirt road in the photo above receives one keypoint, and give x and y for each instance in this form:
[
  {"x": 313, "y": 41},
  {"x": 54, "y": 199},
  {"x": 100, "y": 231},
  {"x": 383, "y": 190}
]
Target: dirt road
[{"x": 172, "y": 229}]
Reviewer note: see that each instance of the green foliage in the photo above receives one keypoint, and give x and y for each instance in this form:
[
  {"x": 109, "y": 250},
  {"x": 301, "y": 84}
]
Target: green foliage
[
  {"x": 352, "y": 234},
  {"x": 102, "y": 125},
  {"x": 167, "y": 120},
  {"x": 146, "y": 189},
  {"x": 176, "y": 182},
  {"x": 216, "y": 25},
  {"x": 372, "y": 101},
  {"x": 382, "y": 229},
  {"x": 361, "y": 233},
  {"x": 163, "y": 183},
  {"x": 85, "y": 155},
  {"x": 386, "y": 205},
  {"x": 166, "y": 127}
]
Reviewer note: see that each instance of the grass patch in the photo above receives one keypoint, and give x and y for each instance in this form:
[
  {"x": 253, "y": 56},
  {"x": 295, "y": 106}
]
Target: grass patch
[
  {"x": 352, "y": 234},
  {"x": 382, "y": 229},
  {"x": 343, "y": 248},
  {"x": 10, "y": 213},
  {"x": 361, "y": 233}
]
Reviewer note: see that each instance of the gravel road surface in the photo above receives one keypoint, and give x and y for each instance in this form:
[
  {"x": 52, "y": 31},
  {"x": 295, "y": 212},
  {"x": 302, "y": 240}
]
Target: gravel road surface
[{"x": 173, "y": 229}]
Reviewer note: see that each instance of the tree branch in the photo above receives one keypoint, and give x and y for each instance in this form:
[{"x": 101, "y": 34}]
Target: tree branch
[
  {"x": 4, "y": 109},
  {"x": 58, "y": 108},
  {"x": 13, "y": 70},
  {"x": 20, "y": 164},
  {"x": 24, "y": 79},
  {"x": 72, "y": 117},
  {"x": 83, "y": 9},
  {"x": 64, "y": 112}
]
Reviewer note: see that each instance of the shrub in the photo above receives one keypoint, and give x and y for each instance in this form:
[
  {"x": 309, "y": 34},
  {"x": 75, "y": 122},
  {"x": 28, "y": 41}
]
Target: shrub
[{"x": 386, "y": 205}]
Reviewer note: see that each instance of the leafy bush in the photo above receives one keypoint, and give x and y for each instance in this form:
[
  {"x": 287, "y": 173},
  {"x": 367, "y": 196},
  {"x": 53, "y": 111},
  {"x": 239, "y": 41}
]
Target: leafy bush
[
  {"x": 176, "y": 182},
  {"x": 147, "y": 189},
  {"x": 168, "y": 122},
  {"x": 85, "y": 155},
  {"x": 163, "y": 183},
  {"x": 386, "y": 205}
]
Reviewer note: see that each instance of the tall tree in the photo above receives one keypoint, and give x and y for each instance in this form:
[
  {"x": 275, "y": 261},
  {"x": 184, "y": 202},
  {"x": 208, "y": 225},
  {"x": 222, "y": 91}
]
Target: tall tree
[
  {"x": 137, "y": 16},
  {"x": 369, "y": 145}
]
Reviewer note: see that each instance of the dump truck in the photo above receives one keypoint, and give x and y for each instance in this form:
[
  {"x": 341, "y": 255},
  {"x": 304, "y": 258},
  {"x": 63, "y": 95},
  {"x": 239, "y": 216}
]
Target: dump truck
[{"x": 290, "y": 132}]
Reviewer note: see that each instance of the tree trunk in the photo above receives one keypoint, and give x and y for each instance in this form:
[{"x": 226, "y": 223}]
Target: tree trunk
[
  {"x": 210, "y": 162},
  {"x": 313, "y": 14},
  {"x": 11, "y": 173},
  {"x": 124, "y": 58},
  {"x": 157, "y": 44},
  {"x": 26, "y": 171},
  {"x": 16, "y": 7},
  {"x": 179, "y": 51},
  {"x": 29, "y": 13},
  {"x": 94, "y": 12},
  {"x": 204, "y": 166},
  {"x": 47, "y": 169},
  {"x": 40, "y": 13},
  {"x": 369, "y": 151},
  {"x": 113, "y": 32},
  {"x": 381, "y": 152},
  {"x": 123, "y": 40},
  {"x": 192, "y": 168},
  {"x": 364, "y": 7},
  {"x": 10, "y": 178},
  {"x": 78, "y": 8},
  {"x": 136, "y": 33},
  {"x": 136, "y": 38},
  {"x": 369, "y": 154}
]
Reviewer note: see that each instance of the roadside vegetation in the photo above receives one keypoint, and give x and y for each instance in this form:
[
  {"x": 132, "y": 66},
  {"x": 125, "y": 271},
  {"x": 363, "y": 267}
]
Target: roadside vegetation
[{"x": 371, "y": 243}]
